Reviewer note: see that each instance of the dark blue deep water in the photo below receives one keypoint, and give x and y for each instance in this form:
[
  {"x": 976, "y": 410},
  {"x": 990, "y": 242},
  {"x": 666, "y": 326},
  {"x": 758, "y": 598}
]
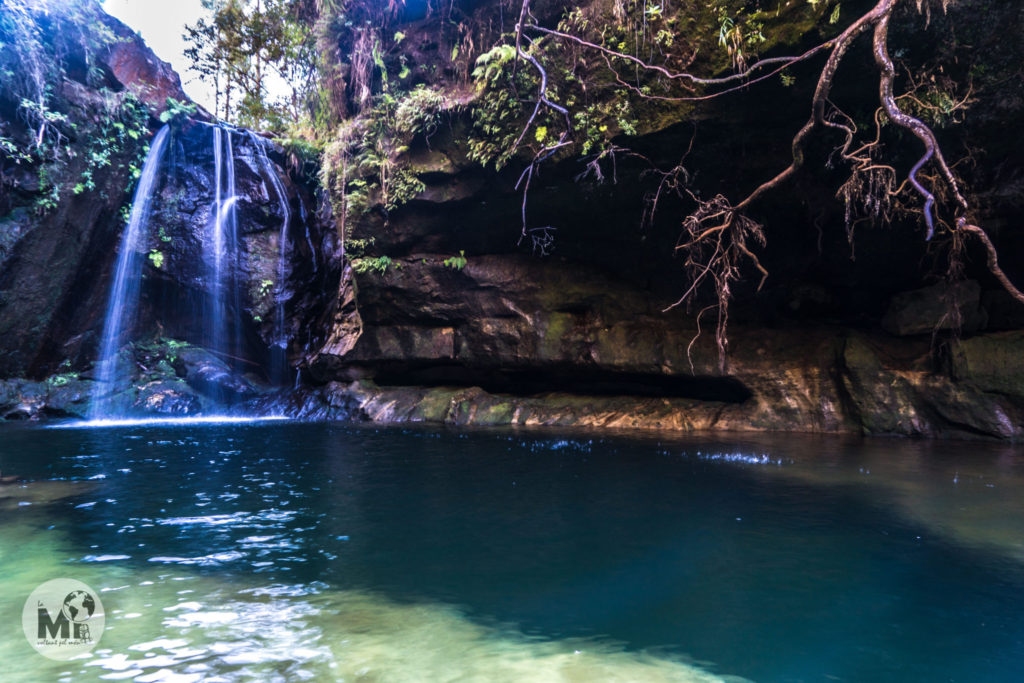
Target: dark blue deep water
[{"x": 284, "y": 551}]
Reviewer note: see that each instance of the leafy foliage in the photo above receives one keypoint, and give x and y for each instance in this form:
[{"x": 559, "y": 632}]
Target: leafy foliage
[
  {"x": 497, "y": 110},
  {"x": 456, "y": 262},
  {"x": 366, "y": 264},
  {"x": 39, "y": 40},
  {"x": 124, "y": 129},
  {"x": 177, "y": 113}
]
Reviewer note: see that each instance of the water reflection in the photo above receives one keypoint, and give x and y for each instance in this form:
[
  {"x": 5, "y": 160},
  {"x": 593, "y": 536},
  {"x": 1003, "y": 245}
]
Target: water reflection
[{"x": 968, "y": 492}]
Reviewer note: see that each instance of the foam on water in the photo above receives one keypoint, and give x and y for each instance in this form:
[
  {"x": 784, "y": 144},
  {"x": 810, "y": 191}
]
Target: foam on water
[
  {"x": 168, "y": 421},
  {"x": 743, "y": 458}
]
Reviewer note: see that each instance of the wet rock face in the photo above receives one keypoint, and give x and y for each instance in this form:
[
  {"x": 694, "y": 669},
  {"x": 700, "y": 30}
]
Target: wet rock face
[
  {"x": 58, "y": 396},
  {"x": 63, "y": 208},
  {"x": 60, "y": 209},
  {"x": 258, "y": 273},
  {"x": 52, "y": 290}
]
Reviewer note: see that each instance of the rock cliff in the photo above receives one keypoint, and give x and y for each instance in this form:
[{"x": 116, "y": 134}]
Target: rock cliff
[
  {"x": 440, "y": 308},
  {"x": 856, "y": 330}
]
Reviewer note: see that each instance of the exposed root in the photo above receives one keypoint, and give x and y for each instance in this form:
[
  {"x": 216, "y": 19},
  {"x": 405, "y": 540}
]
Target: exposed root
[{"x": 715, "y": 238}]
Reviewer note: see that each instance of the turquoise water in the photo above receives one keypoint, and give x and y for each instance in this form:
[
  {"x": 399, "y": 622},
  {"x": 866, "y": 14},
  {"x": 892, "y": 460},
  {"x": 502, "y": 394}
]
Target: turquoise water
[{"x": 285, "y": 551}]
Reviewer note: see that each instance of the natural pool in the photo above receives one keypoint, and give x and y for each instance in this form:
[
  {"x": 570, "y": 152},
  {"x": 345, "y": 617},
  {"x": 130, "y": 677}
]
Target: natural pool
[{"x": 286, "y": 552}]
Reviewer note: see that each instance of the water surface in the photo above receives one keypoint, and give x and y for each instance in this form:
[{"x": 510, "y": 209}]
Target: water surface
[{"x": 284, "y": 551}]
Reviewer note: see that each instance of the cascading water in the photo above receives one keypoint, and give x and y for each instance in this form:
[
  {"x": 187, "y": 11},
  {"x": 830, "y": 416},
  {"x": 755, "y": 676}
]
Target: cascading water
[
  {"x": 124, "y": 291},
  {"x": 223, "y": 242},
  {"x": 217, "y": 235},
  {"x": 218, "y": 276},
  {"x": 279, "y": 353}
]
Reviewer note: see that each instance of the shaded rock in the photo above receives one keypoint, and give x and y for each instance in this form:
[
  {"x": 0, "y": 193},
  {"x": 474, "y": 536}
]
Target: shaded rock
[
  {"x": 22, "y": 400},
  {"x": 343, "y": 327},
  {"x": 1004, "y": 312},
  {"x": 885, "y": 403},
  {"x": 902, "y": 396},
  {"x": 68, "y": 396},
  {"x": 173, "y": 378},
  {"x": 942, "y": 306},
  {"x": 475, "y": 407},
  {"x": 993, "y": 363},
  {"x": 810, "y": 380}
]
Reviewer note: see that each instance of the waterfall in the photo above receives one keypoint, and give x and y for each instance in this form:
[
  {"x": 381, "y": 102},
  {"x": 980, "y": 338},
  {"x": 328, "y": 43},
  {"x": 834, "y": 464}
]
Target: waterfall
[
  {"x": 279, "y": 359},
  {"x": 124, "y": 290},
  {"x": 223, "y": 245},
  {"x": 209, "y": 337},
  {"x": 222, "y": 270}
]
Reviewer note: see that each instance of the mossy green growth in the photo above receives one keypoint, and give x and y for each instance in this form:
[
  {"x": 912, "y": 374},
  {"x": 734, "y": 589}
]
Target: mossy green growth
[
  {"x": 361, "y": 165},
  {"x": 62, "y": 379},
  {"x": 502, "y": 412},
  {"x": 434, "y": 406},
  {"x": 710, "y": 39}
]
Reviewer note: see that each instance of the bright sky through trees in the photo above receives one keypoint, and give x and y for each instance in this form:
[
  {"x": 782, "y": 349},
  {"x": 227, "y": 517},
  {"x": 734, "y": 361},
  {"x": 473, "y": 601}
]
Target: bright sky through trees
[{"x": 161, "y": 24}]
